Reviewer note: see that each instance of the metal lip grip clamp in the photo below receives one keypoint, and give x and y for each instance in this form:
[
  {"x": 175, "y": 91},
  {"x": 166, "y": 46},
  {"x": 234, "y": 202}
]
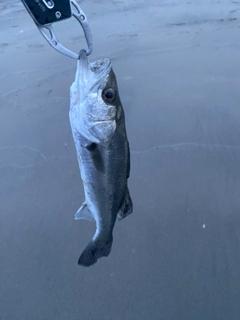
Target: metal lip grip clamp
[{"x": 46, "y": 12}]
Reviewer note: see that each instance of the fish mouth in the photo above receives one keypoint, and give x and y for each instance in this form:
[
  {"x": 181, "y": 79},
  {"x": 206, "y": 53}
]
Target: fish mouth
[
  {"x": 93, "y": 73},
  {"x": 101, "y": 67}
]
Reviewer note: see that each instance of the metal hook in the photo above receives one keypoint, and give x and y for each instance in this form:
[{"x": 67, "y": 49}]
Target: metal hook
[{"x": 53, "y": 41}]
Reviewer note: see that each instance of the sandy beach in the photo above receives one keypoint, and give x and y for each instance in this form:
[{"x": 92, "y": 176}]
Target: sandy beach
[{"x": 177, "y": 257}]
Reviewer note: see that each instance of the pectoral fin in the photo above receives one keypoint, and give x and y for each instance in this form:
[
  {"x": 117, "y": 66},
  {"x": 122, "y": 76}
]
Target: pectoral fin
[
  {"x": 83, "y": 213},
  {"x": 127, "y": 206}
]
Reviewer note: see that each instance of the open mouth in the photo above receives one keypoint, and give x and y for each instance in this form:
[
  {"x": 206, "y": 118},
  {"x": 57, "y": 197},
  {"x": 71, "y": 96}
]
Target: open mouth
[
  {"x": 100, "y": 66},
  {"x": 93, "y": 73}
]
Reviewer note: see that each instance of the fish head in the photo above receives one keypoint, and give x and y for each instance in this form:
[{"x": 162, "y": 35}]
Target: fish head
[{"x": 95, "y": 102}]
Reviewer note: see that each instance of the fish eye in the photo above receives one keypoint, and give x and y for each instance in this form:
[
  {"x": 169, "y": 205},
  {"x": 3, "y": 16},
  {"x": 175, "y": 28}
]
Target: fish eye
[{"x": 109, "y": 95}]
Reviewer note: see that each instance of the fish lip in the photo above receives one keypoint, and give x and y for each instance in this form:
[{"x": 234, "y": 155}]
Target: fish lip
[
  {"x": 83, "y": 61},
  {"x": 100, "y": 70},
  {"x": 101, "y": 66},
  {"x": 95, "y": 72}
]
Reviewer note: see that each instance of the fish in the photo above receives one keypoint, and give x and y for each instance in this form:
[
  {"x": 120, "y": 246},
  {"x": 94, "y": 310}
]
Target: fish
[{"x": 98, "y": 128}]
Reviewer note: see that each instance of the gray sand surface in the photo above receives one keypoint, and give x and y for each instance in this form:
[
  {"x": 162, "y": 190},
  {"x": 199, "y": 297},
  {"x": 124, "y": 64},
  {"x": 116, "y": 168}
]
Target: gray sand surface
[{"x": 177, "y": 257}]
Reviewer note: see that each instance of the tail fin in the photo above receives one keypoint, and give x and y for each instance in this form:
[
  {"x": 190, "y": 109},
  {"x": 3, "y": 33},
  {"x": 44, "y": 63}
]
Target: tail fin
[{"x": 93, "y": 252}]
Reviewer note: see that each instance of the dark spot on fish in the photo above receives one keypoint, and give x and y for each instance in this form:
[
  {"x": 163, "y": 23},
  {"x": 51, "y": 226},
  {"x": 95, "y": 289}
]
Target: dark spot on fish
[
  {"x": 91, "y": 147},
  {"x": 109, "y": 95},
  {"x": 96, "y": 157}
]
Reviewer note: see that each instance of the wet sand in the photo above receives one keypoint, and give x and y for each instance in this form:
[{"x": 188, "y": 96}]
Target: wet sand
[{"x": 177, "y": 257}]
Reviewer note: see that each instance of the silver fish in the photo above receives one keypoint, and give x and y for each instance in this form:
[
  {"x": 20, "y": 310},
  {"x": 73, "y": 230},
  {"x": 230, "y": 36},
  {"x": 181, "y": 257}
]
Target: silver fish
[{"x": 99, "y": 133}]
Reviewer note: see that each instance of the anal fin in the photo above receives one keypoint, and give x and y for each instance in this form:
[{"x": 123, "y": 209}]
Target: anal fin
[
  {"x": 127, "y": 206},
  {"x": 83, "y": 213}
]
